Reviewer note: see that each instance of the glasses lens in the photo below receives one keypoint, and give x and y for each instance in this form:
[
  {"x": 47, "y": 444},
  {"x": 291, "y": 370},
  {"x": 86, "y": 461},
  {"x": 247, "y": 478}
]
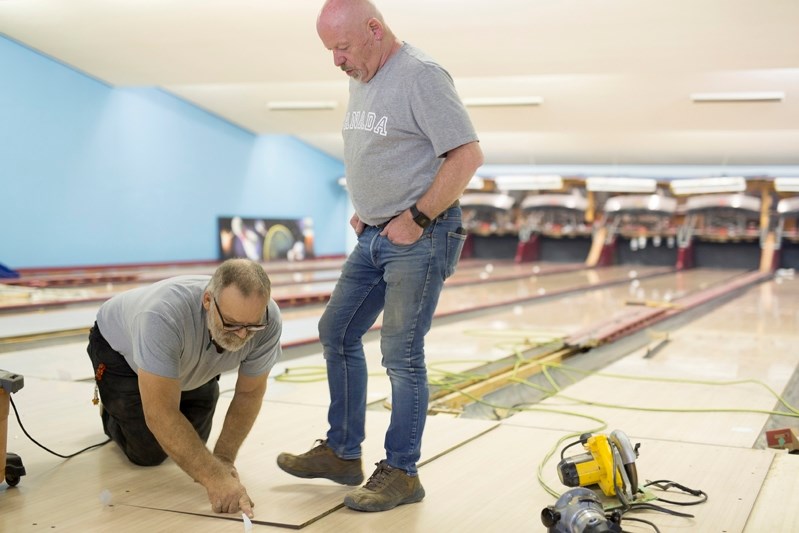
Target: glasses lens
[
  {"x": 253, "y": 327},
  {"x": 231, "y": 327}
]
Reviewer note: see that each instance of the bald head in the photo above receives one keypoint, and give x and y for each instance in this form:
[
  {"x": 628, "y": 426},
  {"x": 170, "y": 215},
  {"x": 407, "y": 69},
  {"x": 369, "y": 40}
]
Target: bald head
[
  {"x": 347, "y": 13},
  {"x": 355, "y": 32}
]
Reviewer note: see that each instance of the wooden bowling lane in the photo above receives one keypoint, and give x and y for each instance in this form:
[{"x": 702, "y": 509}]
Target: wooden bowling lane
[
  {"x": 749, "y": 489},
  {"x": 289, "y": 285},
  {"x": 774, "y": 510},
  {"x": 501, "y": 462},
  {"x": 489, "y": 484},
  {"x": 37, "y": 321},
  {"x": 710, "y": 375},
  {"x": 469, "y": 297},
  {"x": 462, "y": 298},
  {"x": 26, "y": 323},
  {"x": 565, "y": 315},
  {"x": 492, "y": 270},
  {"x": 15, "y": 297},
  {"x": 574, "y": 311},
  {"x": 65, "y": 495},
  {"x": 457, "y": 347},
  {"x": 150, "y": 272}
]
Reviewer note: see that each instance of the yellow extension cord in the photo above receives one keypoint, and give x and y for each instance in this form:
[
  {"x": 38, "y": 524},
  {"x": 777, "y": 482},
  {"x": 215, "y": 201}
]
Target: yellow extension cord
[{"x": 519, "y": 341}]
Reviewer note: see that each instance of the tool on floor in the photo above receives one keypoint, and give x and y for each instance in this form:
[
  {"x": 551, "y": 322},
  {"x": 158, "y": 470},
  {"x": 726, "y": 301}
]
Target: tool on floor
[
  {"x": 579, "y": 511},
  {"x": 12, "y": 464},
  {"x": 10, "y": 383},
  {"x": 609, "y": 463},
  {"x": 783, "y": 439}
]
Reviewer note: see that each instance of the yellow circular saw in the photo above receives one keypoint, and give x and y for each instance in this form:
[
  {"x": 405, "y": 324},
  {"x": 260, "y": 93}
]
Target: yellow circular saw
[{"x": 609, "y": 461}]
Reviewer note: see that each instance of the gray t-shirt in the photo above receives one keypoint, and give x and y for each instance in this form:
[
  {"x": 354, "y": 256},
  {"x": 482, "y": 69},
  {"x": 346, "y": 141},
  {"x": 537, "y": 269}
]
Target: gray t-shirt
[
  {"x": 396, "y": 130},
  {"x": 162, "y": 328}
]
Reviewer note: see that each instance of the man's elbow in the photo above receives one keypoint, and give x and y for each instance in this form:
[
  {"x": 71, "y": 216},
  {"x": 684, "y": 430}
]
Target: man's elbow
[
  {"x": 477, "y": 155},
  {"x": 470, "y": 155},
  {"x": 155, "y": 420}
]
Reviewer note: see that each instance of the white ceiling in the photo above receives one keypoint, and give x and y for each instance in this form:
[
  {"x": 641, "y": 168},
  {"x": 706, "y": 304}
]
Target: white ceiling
[{"x": 615, "y": 75}]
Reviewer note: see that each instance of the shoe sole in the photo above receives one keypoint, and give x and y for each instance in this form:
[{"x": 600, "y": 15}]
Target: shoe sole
[
  {"x": 341, "y": 480},
  {"x": 355, "y": 506}
]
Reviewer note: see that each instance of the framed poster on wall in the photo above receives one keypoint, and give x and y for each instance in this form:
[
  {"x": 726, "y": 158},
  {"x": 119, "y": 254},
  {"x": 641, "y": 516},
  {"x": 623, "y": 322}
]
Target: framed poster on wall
[{"x": 265, "y": 239}]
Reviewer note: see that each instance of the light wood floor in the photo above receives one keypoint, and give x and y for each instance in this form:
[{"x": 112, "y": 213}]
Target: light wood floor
[{"x": 480, "y": 475}]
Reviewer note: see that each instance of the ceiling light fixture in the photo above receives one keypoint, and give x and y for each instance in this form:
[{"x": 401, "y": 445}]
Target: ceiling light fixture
[
  {"x": 603, "y": 184},
  {"x": 641, "y": 202},
  {"x": 708, "y": 185},
  {"x": 554, "y": 201},
  {"x": 763, "y": 96},
  {"x": 528, "y": 183},
  {"x": 786, "y": 184},
  {"x": 723, "y": 201},
  {"x": 514, "y": 101},
  {"x": 483, "y": 199},
  {"x": 302, "y": 105},
  {"x": 788, "y": 206}
]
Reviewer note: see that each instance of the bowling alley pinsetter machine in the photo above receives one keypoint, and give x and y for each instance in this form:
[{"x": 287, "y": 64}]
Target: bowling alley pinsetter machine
[{"x": 12, "y": 464}]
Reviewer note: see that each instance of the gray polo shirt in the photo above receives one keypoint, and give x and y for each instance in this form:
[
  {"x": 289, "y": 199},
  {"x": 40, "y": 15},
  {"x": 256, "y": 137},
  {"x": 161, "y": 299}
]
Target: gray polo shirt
[{"x": 162, "y": 328}]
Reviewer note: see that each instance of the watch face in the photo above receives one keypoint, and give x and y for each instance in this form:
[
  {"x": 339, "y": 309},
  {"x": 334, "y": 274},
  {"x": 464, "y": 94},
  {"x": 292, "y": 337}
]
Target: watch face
[{"x": 422, "y": 220}]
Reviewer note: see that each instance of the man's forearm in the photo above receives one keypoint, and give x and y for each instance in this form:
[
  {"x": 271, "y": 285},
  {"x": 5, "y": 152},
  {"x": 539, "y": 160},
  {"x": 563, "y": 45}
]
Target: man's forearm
[
  {"x": 454, "y": 175},
  {"x": 180, "y": 441},
  {"x": 240, "y": 417}
]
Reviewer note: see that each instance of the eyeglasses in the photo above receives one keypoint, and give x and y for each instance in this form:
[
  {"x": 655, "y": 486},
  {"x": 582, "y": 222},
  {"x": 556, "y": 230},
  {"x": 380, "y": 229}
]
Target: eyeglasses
[{"x": 237, "y": 327}]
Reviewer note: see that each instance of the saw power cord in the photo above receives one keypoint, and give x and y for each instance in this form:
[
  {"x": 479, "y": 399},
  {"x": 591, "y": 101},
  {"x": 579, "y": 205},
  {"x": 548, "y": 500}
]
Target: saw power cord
[
  {"x": 665, "y": 484},
  {"x": 649, "y": 507},
  {"x": 647, "y": 522},
  {"x": 45, "y": 448},
  {"x": 629, "y": 507}
]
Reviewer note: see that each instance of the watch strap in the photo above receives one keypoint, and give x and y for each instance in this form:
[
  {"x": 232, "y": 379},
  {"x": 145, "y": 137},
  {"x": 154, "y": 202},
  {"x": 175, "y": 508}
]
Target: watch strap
[{"x": 420, "y": 218}]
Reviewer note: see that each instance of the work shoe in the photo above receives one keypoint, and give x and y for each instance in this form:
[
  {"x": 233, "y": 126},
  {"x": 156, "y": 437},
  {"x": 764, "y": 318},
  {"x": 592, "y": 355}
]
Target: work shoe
[
  {"x": 387, "y": 488},
  {"x": 320, "y": 461}
]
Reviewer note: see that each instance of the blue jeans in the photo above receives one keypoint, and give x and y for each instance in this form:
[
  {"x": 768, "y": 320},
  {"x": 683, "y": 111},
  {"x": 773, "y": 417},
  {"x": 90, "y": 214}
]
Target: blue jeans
[{"x": 403, "y": 281}]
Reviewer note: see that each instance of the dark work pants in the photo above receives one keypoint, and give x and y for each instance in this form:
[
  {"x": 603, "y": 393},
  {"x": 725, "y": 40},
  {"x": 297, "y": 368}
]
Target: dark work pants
[{"x": 122, "y": 414}]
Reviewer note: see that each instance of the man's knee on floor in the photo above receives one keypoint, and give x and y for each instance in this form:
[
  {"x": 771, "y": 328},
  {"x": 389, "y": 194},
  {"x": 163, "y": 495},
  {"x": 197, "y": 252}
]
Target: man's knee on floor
[{"x": 146, "y": 457}]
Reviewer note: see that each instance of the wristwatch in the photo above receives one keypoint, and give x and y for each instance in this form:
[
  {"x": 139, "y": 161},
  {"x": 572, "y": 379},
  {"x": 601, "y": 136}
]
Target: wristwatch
[{"x": 420, "y": 218}]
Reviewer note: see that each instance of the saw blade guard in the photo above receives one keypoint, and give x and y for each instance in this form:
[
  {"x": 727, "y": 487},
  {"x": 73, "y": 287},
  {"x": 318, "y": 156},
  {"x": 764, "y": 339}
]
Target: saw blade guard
[{"x": 628, "y": 455}]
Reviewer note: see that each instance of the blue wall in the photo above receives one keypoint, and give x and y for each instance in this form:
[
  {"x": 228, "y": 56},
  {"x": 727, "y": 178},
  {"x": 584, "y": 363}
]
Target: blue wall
[{"x": 91, "y": 174}]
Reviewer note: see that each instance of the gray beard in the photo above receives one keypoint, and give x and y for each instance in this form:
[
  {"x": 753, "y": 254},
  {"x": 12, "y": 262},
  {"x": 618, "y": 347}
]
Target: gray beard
[{"x": 226, "y": 339}]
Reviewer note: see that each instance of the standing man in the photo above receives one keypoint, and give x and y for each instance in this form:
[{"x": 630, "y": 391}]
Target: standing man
[
  {"x": 409, "y": 152},
  {"x": 157, "y": 353}
]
